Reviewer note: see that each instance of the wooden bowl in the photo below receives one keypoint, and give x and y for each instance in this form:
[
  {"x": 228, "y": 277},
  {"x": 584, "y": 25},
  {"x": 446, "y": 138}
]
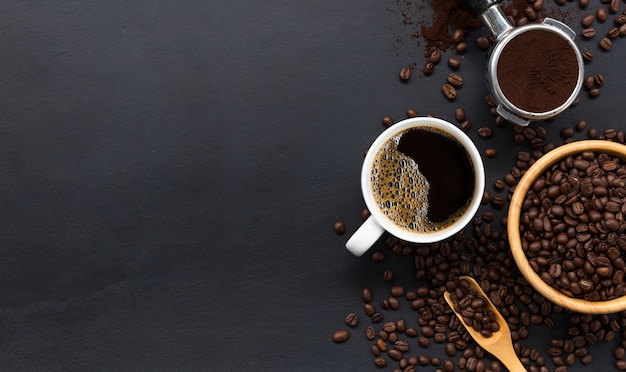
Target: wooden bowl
[{"x": 513, "y": 223}]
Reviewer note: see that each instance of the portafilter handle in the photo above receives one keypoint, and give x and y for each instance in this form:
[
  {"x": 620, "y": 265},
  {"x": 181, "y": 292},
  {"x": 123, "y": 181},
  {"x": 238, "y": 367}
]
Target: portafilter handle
[{"x": 491, "y": 14}]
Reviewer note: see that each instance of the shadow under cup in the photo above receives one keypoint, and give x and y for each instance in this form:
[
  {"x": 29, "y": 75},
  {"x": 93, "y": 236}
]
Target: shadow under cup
[{"x": 414, "y": 165}]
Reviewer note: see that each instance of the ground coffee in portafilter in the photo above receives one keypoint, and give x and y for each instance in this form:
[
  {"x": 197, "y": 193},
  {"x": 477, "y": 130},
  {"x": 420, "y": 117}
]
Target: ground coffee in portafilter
[
  {"x": 422, "y": 179},
  {"x": 538, "y": 71}
]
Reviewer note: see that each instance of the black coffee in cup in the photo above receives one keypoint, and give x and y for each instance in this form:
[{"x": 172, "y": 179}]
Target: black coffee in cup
[{"x": 422, "y": 179}]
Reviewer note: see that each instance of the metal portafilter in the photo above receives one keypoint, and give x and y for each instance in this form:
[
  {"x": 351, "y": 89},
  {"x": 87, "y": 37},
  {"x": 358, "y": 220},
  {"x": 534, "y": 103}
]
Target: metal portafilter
[{"x": 534, "y": 71}]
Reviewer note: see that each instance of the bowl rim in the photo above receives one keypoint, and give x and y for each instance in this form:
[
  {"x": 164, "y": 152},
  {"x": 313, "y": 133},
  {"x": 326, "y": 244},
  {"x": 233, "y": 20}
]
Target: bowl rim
[{"x": 513, "y": 222}]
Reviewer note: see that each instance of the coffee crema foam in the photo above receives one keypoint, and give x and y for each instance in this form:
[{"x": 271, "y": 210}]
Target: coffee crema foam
[{"x": 401, "y": 191}]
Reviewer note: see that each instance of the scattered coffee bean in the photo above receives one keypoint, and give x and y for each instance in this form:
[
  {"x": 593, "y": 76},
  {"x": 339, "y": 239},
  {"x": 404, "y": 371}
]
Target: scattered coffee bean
[
  {"x": 454, "y": 63},
  {"x": 483, "y": 42},
  {"x": 377, "y": 317},
  {"x": 459, "y": 114},
  {"x": 388, "y": 275},
  {"x": 429, "y": 68},
  {"x": 613, "y": 33},
  {"x": 370, "y": 333},
  {"x": 614, "y": 6},
  {"x": 567, "y": 132},
  {"x": 435, "y": 57},
  {"x": 581, "y": 125},
  {"x": 484, "y": 132},
  {"x": 339, "y": 227},
  {"x": 449, "y": 91},
  {"x": 598, "y": 79},
  {"x": 606, "y": 43},
  {"x": 490, "y": 153},
  {"x": 378, "y": 256},
  {"x": 601, "y": 15},
  {"x": 405, "y": 73},
  {"x": 455, "y": 80},
  {"x": 380, "y": 361},
  {"x": 458, "y": 36},
  {"x": 387, "y": 121},
  {"x": 461, "y": 47},
  {"x": 588, "y": 32},
  {"x": 340, "y": 336},
  {"x": 411, "y": 113},
  {"x": 587, "y": 56},
  {"x": 352, "y": 320},
  {"x": 587, "y": 20}
]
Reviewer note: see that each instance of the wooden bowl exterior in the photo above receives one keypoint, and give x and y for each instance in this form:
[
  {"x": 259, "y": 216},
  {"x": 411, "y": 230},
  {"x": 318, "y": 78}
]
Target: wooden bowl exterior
[{"x": 513, "y": 221}]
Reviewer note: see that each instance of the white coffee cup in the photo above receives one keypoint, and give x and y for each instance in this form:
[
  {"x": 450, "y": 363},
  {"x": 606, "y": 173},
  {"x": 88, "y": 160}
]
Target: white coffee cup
[{"x": 377, "y": 223}]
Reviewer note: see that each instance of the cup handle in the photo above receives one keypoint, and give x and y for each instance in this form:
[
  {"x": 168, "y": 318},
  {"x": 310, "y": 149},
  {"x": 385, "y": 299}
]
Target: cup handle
[{"x": 364, "y": 237}]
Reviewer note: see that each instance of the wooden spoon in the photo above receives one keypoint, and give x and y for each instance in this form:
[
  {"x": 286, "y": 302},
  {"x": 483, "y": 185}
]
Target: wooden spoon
[{"x": 500, "y": 343}]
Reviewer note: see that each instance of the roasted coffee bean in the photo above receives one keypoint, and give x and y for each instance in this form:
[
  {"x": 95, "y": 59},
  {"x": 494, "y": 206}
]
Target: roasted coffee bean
[
  {"x": 461, "y": 47},
  {"x": 449, "y": 91},
  {"x": 466, "y": 125},
  {"x": 606, "y": 44},
  {"x": 375, "y": 350},
  {"x": 601, "y": 15},
  {"x": 370, "y": 333},
  {"x": 594, "y": 92},
  {"x": 490, "y": 152},
  {"x": 567, "y": 132},
  {"x": 458, "y": 36},
  {"x": 429, "y": 68},
  {"x": 587, "y": 55},
  {"x": 581, "y": 125},
  {"x": 613, "y": 33},
  {"x": 339, "y": 227},
  {"x": 377, "y": 317},
  {"x": 352, "y": 320},
  {"x": 387, "y": 121},
  {"x": 455, "y": 79},
  {"x": 378, "y": 256},
  {"x": 483, "y": 42},
  {"x": 435, "y": 57},
  {"x": 388, "y": 275},
  {"x": 588, "y": 32},
  {"x": 588, "y": 82},
  {"x": 497, "y": 201},
  {"x": 340, "y": 336},
  {"x": 484, "y": 132},
  {"x": 405, "y": 73},
  {"x": 587, "y": 20},
  {"x": 614, "y": 6},
  {"x": 380, "y": 362},
  {"x": 454, "y": 63},
  {"x": 401, "y": 345},
  {"x": 459, "y": 114},
  {"x": 366, "y": 295},
  {"x": 381, "y": 344}
]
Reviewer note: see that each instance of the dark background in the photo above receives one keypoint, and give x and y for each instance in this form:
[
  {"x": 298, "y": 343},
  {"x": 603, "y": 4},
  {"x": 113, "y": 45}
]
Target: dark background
[{"x": 172, "y": 172}]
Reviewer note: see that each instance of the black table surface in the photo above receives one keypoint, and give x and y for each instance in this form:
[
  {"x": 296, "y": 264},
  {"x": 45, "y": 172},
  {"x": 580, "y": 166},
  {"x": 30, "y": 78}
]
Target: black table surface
[{"x": 172, "y": 172}]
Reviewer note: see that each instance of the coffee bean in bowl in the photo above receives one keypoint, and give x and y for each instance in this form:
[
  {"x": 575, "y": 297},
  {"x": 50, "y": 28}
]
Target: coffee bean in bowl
[{"x": 566, "y": 226}]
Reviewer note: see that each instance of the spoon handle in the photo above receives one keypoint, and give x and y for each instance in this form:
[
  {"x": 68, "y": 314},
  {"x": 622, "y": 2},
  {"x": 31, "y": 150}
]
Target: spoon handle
[{"x": 511, "y": 362}]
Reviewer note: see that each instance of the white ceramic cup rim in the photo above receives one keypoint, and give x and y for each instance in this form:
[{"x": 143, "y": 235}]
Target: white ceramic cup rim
[{"x": 479, "y": 180}]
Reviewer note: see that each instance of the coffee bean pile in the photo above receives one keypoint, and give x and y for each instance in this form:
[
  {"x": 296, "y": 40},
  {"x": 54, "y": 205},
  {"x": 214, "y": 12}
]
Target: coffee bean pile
[
  {"x": 573, "y": 229},
  {"x": 474, "y": 309}
]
